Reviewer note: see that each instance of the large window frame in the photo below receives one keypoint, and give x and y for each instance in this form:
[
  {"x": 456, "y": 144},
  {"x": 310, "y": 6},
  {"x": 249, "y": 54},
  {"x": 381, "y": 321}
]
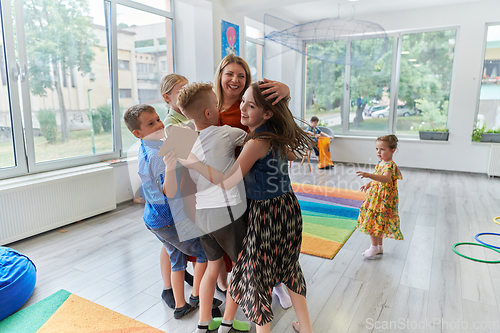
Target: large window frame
[
  {"x": 19, "y": 92},
  {"x": 480, "y": 83},
  {"x": 394, "y": 88}
]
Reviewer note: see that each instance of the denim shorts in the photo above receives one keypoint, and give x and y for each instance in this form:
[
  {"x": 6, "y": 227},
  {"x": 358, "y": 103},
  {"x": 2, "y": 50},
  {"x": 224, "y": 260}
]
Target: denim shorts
[{"x": 177, "y": 250}]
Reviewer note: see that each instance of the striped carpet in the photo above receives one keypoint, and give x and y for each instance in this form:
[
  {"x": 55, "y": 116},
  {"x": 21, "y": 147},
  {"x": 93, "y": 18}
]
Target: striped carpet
[{"x": 329, "y": 217}]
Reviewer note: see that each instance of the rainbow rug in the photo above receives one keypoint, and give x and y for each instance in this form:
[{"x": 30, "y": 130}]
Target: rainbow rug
[
  {"x": 329, "y": 217},
  {"x": 63, "y": 312}
]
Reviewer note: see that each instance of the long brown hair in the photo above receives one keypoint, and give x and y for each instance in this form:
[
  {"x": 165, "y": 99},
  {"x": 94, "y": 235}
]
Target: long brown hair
[
  {"x": 283, "y": 133},
  {"x": 230, "y": 58}
]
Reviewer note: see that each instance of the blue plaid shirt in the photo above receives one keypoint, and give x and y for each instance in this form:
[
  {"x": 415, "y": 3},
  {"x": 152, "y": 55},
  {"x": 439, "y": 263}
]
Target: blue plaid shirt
[{"x": 159, "y": 210}]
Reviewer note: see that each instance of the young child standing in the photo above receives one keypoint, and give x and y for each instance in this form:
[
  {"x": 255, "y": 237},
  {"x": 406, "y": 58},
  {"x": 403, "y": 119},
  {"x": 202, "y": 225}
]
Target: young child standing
[
  {"x": 163, "y": 216},
  {"x": 271, "y": 246},
  {"x": 378, "y": 215},
  {"x": 220, "y": 214},
  {"x": 169, "y": 86}
]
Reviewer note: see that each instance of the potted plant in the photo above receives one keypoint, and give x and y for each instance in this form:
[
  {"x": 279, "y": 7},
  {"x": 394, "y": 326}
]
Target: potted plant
[
  {"x": 433, "y": 127},
  {"x": 481, "y": 134},
  {"x": 437, "y": 133}
]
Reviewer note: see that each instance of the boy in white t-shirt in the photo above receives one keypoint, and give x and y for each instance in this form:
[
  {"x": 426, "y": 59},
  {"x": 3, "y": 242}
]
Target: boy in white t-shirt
[{"x": 220, "y": 214}]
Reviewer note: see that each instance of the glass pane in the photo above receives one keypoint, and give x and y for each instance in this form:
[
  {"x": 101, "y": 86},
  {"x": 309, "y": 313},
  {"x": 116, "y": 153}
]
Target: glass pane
[
  {"x": 371, "y": 66},
  {"x": 489, "y": 98},
  {"x": 6, "y": 142},
  {"x": 160, "y": 4},
  {"x": 425, "y": 79},
  {"x": 254, "y": 59},
  {"x": 145, "y": 54},
  {"x": 69, "y": 78},
  {"x": 325, "y": 86}
]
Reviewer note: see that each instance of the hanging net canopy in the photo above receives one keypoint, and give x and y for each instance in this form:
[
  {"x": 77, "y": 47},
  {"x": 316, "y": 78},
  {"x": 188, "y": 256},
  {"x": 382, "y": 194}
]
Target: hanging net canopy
[{"x": 314, "y": 38}]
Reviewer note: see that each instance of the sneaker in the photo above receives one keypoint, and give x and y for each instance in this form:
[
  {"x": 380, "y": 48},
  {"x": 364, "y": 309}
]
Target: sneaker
[{"x": 181, "y": 312}]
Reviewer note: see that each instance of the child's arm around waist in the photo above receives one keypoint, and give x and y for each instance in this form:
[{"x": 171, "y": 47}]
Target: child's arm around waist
[
  {"x": 253, "y": 150},
  {"x": 170, "y": 183}
]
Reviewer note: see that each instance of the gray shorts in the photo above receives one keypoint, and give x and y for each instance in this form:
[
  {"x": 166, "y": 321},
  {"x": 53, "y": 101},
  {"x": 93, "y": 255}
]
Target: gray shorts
[{"x": 229, "y": 238}]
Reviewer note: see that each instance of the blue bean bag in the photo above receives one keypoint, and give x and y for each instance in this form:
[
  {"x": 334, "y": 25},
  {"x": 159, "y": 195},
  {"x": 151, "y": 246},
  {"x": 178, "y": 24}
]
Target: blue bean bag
[{"x": 17, "y": 280}]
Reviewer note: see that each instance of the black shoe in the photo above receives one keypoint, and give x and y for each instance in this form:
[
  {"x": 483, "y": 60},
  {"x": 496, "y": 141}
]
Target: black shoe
[
  {"x": 220, "y": 290},
  {"x": 168, "y": 296},
  {"x": 181, "y": 312},
  {"x": 188, "y": 278}
]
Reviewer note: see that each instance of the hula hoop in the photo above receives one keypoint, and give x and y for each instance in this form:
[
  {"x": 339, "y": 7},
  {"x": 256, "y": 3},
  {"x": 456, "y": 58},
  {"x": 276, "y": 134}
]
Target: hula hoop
[
  {"x": 487, "y": 233},
  {"x": 495, "y": 219},
  {"x": 475, "y": 259}
]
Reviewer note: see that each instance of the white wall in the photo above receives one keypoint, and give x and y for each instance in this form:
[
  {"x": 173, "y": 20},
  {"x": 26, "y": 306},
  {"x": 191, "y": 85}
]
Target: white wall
[
  {"x": 459, "y": 153},
  {"x": 194, "y": 42}
]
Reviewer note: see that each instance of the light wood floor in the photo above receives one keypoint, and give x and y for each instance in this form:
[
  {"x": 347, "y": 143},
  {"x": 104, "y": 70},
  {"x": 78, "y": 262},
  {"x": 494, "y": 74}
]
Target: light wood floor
[{"x": 418, "y": 285}]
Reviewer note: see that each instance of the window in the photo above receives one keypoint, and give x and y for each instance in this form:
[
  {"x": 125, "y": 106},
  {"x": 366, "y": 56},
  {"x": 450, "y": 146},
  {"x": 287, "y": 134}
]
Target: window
[
  {"x": 125, "y": 93},
  {"x": 425, "y": 80},
  {"x": 144, "y": 43},
  {"x": 325, "y": 86},
  {"x": 488, "y": 113},
  {"x": 425, "y": 64},
  {"x": 253, "y": 52},
  {"x": 147, "y": 62},
  {"x": 46, "y": 117},
  {"x": 124, "y": 65}
]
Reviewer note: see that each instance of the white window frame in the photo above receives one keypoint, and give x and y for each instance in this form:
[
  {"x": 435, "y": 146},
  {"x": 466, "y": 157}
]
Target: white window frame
[
  {"x": 24, "y": 150},
  {"x": 395, "y": 75}
]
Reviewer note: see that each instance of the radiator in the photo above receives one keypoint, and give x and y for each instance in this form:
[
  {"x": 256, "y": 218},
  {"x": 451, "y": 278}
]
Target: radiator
[
  {"x": 494, "y": 165},
  {"x": 33, "y": 204}
]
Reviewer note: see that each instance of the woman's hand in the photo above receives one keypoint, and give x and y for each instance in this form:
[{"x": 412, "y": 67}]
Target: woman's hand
[
  {"x": 170, "y": 160},
  {"x": 363, "y": 174},
  {"x": 365, "y": 187},
  {"x": 189, "y": 162},
  {"x": 275, "y": 89}
]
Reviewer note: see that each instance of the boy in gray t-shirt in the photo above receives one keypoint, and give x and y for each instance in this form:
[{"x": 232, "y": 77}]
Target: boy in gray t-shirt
[{"x": 220, "y": 214}]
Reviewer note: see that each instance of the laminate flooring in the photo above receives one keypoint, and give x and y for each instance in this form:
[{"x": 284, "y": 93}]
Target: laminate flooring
[{"x": 417, "y": 285}]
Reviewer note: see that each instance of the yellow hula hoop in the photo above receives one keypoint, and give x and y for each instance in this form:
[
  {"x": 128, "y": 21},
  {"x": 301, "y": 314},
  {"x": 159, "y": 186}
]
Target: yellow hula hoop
[{"x": 495, "y": 219}]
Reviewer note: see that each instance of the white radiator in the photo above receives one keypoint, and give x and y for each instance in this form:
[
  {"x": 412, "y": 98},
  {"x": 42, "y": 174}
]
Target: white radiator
[
  {"x": 494, "y": 165},
  {"x": 33, "y": 204}
]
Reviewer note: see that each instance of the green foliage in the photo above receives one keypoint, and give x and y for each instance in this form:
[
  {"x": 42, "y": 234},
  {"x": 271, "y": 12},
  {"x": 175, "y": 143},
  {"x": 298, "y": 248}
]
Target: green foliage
[
  {"x": 96, "y": 122},
  {"x": 106, "y": 117},
  {"x": 317, "y": 108},
  {"x": 48, "y": 125},
  {"x": 477, "y": 132},
  {"x": 57, "y": 32},
  {"x": 434, "y": 117},
  {"x": 493, "y": 131}
]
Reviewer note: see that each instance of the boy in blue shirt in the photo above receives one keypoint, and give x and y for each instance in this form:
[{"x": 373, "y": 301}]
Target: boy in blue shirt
[
  {"x": 314, "y": 132},
  {"x": 164, "y": 217}
]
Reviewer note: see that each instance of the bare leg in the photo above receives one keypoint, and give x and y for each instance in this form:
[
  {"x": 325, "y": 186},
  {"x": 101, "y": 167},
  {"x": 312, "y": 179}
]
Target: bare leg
[
  {"x": 222, "y": 278},
  {"x": 178, "y": 288},
  {"x": 300, "y": 307},
  {"x": 207, "y": 289},
  {"x": 199, "y": 271},
  {"x": 165, "y": 268},
  {"x": 264, "y": 328}
]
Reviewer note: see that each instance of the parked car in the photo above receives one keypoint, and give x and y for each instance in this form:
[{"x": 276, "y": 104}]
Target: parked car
[
  {"x": 403, "y": 111},
  {"x": 368, "y": 111}
]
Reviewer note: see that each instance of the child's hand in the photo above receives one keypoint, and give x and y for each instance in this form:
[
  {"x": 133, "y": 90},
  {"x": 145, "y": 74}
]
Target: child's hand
[
  {"x": 189, "y": 162},
  {"x": 363, "y": 174},
  {"x": 170, "y": 160},
  {"x": 365, "y": 187}
]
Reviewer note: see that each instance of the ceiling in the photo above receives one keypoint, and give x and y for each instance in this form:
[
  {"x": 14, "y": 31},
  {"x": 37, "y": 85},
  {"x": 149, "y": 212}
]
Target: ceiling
[{"x": 302, "y": 11}]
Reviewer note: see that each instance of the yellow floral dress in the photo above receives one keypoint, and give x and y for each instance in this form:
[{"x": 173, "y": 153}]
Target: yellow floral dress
[{"x": 378, "y": 215}]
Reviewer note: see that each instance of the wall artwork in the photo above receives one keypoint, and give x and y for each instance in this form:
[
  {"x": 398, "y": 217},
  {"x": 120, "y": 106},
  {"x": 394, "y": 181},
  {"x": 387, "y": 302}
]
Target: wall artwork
[{"x": 230, "y": 37}]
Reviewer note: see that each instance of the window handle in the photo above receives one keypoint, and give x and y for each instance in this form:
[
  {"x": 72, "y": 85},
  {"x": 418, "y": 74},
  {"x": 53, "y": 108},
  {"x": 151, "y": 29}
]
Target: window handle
[
  {"x": 15, "y": 72},
  {"x": 24, "y": 72}
]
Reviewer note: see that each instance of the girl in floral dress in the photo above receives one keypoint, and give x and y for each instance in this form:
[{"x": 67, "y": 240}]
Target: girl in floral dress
[{"x": 378, "y": 215}]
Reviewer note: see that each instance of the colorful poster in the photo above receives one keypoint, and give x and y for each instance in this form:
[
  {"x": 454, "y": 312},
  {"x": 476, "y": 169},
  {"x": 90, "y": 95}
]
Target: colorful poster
[{"x": 230, "y": 39}]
